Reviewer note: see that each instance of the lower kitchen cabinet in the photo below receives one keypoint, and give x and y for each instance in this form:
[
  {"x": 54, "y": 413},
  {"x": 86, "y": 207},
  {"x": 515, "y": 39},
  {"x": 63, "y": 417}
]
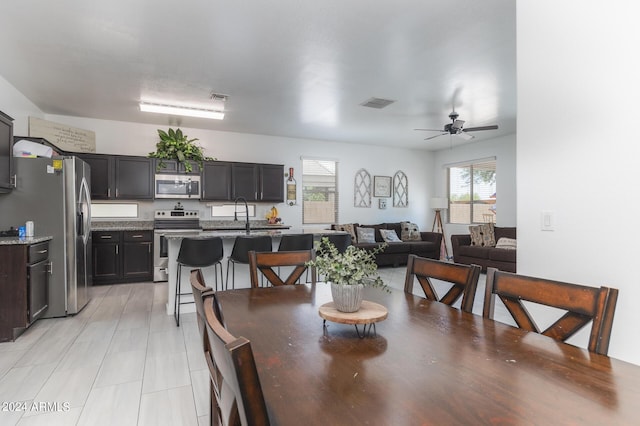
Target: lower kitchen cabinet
[
  {"x": 122, "y": 256},
  {"x": 24, "y": 286}
]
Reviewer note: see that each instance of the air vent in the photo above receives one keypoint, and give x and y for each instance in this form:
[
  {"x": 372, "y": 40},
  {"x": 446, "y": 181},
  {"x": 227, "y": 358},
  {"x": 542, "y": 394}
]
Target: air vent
[
  {"x": 218, "y": 100},
  {"x": 377, "y": 103}
]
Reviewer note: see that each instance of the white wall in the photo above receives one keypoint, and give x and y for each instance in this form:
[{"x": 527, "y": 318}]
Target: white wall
[
  {"x": 18, "y": 107},
  {"x": 578, "y": 150},
  {"x": 113, "y": 137},
  {"x": 504, "y": 149}
]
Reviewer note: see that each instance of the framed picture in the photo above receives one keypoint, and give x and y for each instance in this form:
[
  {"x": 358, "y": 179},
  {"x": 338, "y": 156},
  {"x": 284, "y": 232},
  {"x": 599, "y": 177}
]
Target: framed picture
[{"x": 382, "y": 186}]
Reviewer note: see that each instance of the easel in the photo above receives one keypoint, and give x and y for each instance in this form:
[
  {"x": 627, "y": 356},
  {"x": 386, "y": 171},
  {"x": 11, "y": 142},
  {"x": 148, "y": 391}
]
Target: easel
[{"x": 437, "y": 227}]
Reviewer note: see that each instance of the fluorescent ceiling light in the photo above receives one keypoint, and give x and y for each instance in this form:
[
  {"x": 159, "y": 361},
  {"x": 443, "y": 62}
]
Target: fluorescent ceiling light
[{"x": 176, "y": 110}]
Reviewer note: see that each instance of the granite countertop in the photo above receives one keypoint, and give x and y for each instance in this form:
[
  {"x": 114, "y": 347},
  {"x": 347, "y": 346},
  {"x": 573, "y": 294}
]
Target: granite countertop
[
  {"x": 8, "y": 241},
  {"x": 122, "y": 225},
  {"x": 229, "y": 234},
  {"x": 228, "y": 225}
]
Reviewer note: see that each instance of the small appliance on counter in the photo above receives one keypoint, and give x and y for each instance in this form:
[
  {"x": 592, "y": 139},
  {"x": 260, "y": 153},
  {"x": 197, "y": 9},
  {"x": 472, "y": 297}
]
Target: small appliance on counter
[{"x": 11, "y": 232}]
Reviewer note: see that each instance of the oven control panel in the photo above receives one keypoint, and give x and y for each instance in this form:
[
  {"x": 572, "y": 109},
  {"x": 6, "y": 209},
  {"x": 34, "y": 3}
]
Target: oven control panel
[{"x": 177, "y": 214}]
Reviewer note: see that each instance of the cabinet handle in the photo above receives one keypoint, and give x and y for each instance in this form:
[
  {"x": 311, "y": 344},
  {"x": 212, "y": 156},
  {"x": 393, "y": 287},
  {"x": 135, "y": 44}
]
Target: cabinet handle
[
  {"x": 116, "y": 249},
  {"x": 105, "y": 237},
  {"x": 42, "y": 251},
  {"x": 149, "y": 246},
  {"x": 116, "y": 192},
  {"x": 137, "y": 236},
  {"x": 13, "y": 181},
  {"x": 109, "y": 193}
]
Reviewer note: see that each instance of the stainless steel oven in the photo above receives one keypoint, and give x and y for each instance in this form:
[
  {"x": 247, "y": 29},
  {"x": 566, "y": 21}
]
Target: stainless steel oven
[
  {"x": 177, "y": 186},
  {"x": 183, "y": 222}
]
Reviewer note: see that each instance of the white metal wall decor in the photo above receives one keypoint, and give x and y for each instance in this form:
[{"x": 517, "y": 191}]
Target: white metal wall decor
[
  {"x": 400, "y": 189},
  {"x": 362, "y": 189}
]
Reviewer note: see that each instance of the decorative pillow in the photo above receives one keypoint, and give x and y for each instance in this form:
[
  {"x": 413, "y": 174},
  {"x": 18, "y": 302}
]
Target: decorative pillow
[
  {"x": 506, "y": 243},
  {"x": 482, "y": 235},
  {"x": 390, "y": 236},
  {"x": 410, "y": 232},
  {"x": 347, "y": 227},
  {"x": 366, "y": 235}
]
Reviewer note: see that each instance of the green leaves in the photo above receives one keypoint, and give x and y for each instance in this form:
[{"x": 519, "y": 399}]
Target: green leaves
[{"x": 174, "y": 145}]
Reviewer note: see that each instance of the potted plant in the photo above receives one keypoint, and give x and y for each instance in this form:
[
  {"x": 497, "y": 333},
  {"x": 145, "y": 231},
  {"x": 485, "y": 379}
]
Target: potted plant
[
  {"x": 174, "y": 145},
  {"x": 347, "y": 272}
]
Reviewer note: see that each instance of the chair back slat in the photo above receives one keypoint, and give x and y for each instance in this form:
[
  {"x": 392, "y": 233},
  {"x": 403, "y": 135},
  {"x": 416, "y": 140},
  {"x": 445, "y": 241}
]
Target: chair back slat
[
  {"x": 583, "y": 304},
  {"x": 240, "y": 400},
  {"x": 464, "y": 280},
  {"x": 265, "y": 262}
]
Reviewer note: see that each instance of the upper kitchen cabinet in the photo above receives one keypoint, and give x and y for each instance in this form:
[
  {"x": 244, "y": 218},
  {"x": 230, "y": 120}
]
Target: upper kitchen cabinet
[
  {"x": 120, "y": 177},
  {"x": 6, "y": 154},
  {"x": 216, "y": 181},
  {"x": 257, "y": 182},
  {"x": 174, "y": 166}
]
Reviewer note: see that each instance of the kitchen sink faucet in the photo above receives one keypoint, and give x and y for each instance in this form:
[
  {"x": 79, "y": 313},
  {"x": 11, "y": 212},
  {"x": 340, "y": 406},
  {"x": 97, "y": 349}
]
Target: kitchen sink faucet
[{"x": 246, "y": 209}]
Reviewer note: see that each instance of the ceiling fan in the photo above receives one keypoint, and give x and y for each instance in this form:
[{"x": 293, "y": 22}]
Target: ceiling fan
[{"x": 456, "y": 128}]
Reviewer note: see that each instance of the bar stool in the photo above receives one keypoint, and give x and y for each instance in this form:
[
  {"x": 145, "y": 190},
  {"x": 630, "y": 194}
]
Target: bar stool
[
  {"x": 197, "y": 253},
  {"x": 296, "y": 242},
  {"x": 341, "y": 241},
  {"x": 240, "y": 252}
]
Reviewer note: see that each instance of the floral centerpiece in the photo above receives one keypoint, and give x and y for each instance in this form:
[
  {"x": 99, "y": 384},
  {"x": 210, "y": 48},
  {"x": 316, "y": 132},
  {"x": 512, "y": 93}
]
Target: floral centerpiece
[{"x": 347, "y": 272}]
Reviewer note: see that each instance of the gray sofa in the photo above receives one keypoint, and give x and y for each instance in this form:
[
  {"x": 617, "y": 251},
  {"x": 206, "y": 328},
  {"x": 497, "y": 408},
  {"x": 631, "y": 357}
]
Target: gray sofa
[{"x": 502, "y": 259}]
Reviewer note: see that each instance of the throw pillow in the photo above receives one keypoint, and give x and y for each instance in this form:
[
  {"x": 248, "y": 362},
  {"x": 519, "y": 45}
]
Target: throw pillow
[
  {"x": 410, "y": 232},
  {"x": 390, "y": 236},
  {"x": 506, "y": 243},
  {"x": 366, "y": 235},
  {"x": 347, "y": 227},
  {"x": 482, "y": 235}
]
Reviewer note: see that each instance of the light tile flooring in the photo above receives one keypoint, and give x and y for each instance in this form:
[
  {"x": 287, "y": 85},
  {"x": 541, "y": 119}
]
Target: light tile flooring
[{"x": 121, "y": 361}]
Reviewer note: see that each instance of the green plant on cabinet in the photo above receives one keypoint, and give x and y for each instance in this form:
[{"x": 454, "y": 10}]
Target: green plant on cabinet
[{"x": 175, "y": 145}]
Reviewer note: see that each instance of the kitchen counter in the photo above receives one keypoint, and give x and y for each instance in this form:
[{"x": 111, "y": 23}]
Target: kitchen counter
[
  {"x": 122, "y": 225},
  {"x": 226, "y": 225},
  {"x": 7, "y": 241}
]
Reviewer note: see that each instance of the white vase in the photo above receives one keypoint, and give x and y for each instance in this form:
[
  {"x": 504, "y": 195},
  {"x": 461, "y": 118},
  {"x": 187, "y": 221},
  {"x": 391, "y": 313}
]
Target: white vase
[{"x": 347, "y": 298}]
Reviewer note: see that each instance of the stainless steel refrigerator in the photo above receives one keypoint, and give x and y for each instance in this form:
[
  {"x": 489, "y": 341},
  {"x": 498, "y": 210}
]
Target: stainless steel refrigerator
[{"x": 54, "y": 193}]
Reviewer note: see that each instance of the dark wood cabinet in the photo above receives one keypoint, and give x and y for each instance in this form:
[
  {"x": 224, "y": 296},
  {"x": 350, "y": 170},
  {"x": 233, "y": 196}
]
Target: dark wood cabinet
[
  {"x": 244, "y": 181},
  {"x": 24, "y": 288},
  {"x": 6, "y": 153},
  {"x": 271, "y": 182},
  {"x": 257, "y": 182},
  {"x": 174, "y": 166},
  {"x": 122, "y": 256},
  {"x": 216, "y": 181},
  {"x": 120, "y": 177}
]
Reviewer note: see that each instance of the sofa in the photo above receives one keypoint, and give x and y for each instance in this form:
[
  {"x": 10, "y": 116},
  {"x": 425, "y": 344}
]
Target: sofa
[
  {"x": 485, "y": 256},
  {"x": 397, "y": 253}
]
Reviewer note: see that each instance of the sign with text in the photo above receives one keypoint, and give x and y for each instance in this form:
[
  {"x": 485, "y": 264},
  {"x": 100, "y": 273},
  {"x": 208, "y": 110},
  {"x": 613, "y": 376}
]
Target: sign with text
[{"x": 65, "y": 137}]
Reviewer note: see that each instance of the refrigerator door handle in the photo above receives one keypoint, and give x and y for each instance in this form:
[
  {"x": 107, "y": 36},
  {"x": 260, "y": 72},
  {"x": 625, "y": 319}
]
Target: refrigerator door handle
[{"x": 80, "y": 224}]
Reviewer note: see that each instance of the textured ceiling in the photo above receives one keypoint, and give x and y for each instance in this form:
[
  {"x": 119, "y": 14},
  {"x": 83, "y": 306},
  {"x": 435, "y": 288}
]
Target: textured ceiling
[{"x": 291, "y": 68}]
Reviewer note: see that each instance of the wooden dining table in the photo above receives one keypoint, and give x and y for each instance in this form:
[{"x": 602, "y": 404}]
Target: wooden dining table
[{"x": 426, "y": 363}]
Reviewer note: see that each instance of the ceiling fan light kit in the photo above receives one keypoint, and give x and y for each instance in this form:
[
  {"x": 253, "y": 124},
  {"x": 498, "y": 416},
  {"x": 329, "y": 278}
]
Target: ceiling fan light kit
[
  {"x": 181, "y": 110},
  {"x": 456, "y": 127}
]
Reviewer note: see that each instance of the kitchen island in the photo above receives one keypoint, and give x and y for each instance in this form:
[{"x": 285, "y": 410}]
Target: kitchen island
[{"x": 228, "y": 238}]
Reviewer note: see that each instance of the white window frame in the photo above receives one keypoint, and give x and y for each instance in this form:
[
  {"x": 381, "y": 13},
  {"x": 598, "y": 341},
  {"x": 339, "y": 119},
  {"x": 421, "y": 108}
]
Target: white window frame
[
  {"x": 307, "y": 219},
  {"x": 479, "y": 216}
]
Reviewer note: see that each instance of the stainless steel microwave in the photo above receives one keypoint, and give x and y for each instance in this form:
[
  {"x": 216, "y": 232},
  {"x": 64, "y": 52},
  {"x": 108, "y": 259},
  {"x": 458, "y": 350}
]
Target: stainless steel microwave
[{"x": 177, "y": 186}]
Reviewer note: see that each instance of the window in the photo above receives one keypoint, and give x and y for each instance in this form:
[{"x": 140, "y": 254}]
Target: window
[
  {"x": 472, "y": 192},
  {"x": 319, "y": 191}
]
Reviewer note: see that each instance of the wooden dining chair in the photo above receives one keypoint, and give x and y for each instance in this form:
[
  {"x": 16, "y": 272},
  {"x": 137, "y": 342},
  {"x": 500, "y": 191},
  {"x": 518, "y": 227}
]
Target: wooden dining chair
[
  {"x": 266, "y": 261},
  {"x": 240, "y": 400},
  {"x": 464, "y": 280},
  {"x": 583, "y": 305}
]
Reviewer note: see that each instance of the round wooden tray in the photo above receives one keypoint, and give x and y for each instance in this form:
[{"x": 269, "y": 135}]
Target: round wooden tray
[{"x": 368, "y": 313}]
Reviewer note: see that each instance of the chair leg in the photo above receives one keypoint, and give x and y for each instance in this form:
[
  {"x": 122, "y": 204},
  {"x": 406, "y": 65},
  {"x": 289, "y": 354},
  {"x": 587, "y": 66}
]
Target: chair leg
[{"x": 176, "y": 309}]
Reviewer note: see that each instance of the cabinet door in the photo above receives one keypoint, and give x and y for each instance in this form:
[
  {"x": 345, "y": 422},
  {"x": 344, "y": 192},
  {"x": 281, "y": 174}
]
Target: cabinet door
[
  {"x": 101, "y": 175},
  {"x": 106, "y": 262},
  {"x": 137, "y": 261},
  {"x": 6, "y": 152},
  {"x": 271, "y": 183},
  {"x": 38, "y": 289},
  {"x": 244, "y": 178},
  {"x": 134, "y": 178},
  {"x": 216, "y": 181}
]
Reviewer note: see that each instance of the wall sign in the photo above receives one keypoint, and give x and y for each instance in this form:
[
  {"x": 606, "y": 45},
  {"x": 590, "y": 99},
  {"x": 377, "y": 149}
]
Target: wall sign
[
  {"x": 382, "y": 186},
  {"x": 65, "y": 137}
]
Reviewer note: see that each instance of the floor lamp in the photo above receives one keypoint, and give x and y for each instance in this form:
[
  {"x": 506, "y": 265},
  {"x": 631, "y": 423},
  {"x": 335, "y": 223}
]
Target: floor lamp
[{"x": 438, "y": 204}]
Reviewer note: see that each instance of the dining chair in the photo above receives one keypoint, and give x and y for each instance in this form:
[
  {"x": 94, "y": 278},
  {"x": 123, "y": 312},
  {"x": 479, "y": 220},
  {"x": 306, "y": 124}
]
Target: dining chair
[
  {"x": 240, "y": 400},
  {"x": 265, "y": 262},
  {"x": 200, "y": 292},
  {"x": 583, "y": 304},
  {"x": 295, "y": 242},
  {"x": 464, "y": 280}
]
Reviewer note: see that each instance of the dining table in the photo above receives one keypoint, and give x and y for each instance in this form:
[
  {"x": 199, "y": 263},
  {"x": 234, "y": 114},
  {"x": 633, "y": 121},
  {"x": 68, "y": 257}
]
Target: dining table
[{"x": 425, "y": 364}]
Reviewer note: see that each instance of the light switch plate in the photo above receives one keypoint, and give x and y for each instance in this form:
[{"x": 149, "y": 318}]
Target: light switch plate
[{"x": 547, "y": 221}]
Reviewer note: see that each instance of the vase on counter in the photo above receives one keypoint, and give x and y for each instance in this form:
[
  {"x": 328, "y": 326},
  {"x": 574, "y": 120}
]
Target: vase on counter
[{"x": 347, "y": 298}]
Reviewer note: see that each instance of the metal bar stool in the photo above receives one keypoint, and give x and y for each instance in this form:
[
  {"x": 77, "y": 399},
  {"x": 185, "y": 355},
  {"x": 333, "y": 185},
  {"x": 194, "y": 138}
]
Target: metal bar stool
[
  {"x": 296, "y": 242},
  {"x": 240, "y": 252},
  {"x": 341, "y": 241},
  {"x": 197, "y": 253}
]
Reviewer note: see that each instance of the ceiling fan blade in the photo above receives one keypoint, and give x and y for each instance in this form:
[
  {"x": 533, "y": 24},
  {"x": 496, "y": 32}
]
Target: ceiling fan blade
[
  {"x": 429, "y": 130},
  {"x": 436, "y": 136},
  {"x": 475, "y": 129},
  {"x": 465, "y": 136}
]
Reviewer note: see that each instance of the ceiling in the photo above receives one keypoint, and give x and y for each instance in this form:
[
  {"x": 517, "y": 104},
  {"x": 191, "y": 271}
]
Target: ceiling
[{"x": 291, "y": 68}]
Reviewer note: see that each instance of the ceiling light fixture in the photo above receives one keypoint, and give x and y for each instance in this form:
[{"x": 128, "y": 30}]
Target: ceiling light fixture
[{"x": 179, "y": 110}]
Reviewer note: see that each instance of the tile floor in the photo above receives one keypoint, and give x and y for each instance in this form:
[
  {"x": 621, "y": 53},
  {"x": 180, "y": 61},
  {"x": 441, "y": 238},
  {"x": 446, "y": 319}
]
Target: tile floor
[{"x": 121, "y": 361}]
